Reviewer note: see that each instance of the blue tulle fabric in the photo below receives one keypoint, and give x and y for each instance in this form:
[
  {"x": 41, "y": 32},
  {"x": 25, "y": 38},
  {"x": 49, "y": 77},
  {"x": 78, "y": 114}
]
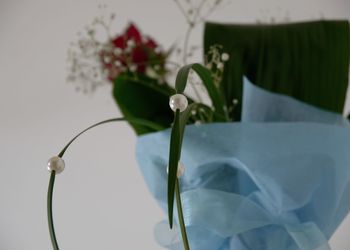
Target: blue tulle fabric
[{"x": 272, "y": 185}]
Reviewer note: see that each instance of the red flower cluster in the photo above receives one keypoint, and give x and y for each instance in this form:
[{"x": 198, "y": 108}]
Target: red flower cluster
[{"x": 132, "y": 52}]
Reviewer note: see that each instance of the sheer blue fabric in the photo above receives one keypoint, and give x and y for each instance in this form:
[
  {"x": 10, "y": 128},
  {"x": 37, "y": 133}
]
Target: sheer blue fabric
[
  {"x": 260, "y": 105},
  {"x": 261, "y": 186}
]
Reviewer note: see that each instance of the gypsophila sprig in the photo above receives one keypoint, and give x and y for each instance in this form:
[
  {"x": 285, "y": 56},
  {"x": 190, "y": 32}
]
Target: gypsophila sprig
[
  {"x": 215, "y": 61},
  {"x": 195, "y": 12},
  {"x": 95, "y": 60}
]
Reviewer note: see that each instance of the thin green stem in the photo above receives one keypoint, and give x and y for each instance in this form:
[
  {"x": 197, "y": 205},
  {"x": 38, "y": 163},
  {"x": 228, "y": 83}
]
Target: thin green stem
[
  {"x": 49, "y": 211},
  {"x": 53, "y": 174},
  {"x": 180, "y": 215}
]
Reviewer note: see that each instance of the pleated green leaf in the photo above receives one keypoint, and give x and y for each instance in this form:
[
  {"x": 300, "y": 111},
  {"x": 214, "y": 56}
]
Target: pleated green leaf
[{"x": 306, "y": 60}]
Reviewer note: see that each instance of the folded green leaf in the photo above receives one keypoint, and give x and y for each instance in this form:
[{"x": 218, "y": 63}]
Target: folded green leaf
[
  {"x": 143, "y": 98},
  {"x": 174, "y": 156},
  {"x": 213, "y": 92},
  {"x": 176, "y": 138},
  {"x": 181, "y": 119}
]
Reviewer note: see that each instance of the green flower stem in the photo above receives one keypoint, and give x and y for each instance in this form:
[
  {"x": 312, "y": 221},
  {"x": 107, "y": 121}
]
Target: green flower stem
[
  {"x": 180, "y": 215},
  {"x": 49, "y": 211},
  {"x": 53, "y": 174}
]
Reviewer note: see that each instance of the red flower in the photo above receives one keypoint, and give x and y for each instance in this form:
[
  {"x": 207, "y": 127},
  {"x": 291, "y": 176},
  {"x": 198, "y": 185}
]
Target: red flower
[
  {"x": 150, "y": 43},
  {"x": 120, "y": 42},
  {"x": 131, "y": 33},
  {"x": 132, "y": 52}
]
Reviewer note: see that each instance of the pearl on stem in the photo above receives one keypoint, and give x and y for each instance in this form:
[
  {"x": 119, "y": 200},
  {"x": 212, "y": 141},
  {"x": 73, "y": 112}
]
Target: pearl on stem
[
  {"x": 178, "y": 102},
  {"x": 180, "y": 170},
  {"x": 56, "y": 164}
]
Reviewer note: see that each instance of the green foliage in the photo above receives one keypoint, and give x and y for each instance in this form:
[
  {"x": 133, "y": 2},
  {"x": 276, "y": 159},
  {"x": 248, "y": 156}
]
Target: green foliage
[
  {"x": 135, "y": 121},
  {"x": 308, "y": 60},
  {"x": 181, "y": 119},
  {"x": 213, "y": 92},
  {"x": 145, "y": 99}
]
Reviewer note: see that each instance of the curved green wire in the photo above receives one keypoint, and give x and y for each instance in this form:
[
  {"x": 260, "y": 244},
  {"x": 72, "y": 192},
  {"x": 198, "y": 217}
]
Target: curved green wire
[
  {"x": 53, "y": 174},
  {"x": 175, "y": 146},
  {"x": 49, "y": 211},
  {"x": 181, "y": 216}
]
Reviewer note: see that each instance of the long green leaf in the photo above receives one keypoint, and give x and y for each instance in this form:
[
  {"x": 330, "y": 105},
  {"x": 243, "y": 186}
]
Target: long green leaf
[
  {"x": 49, "y": 211},
  {"x": 142, "y": 122},
  {"x": 280, "y": 58},
  {"x": 174, "y": 156},
  {"x": 176, "y": 138},
  {"x": 180, "y": 121},
  {"x": 143, "y": 98},
  {"x": 181, "y": 216},
  {"x": 213, "y": 92}
]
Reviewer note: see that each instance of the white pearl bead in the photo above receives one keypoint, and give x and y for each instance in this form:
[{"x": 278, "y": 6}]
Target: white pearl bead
[
  {"x": 180, "y": 170},
  {"x": 56, "y": 164},
  {"x": 225, "y": 57},
  {"x": 178, "y": 101}
]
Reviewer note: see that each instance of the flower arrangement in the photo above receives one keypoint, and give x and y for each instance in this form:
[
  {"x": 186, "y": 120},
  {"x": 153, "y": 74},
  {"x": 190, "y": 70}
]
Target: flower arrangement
[
  {"x": 136, "y": 65},
  {"x": 132, "y": 52},
  {"x": 140, "y": 69},
  {"x": 236, "y": 175}
]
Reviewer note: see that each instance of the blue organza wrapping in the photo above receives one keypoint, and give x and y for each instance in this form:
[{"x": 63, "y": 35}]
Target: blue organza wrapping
[
  {"x": 260, "y": 105},
  {"x": 261, "y": 186}
]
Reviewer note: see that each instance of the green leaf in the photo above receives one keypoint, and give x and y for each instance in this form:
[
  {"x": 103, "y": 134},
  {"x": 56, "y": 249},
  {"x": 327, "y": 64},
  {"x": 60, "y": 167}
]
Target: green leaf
[
  {"x": 136, "y": 121},
  {"x": 181, "y": 216},
  {"x": 176, "y": 138},
  {"x": 213, "y": 92},
  {"x": 180, "y": 121},
  {"x": 308, "y": 60},
  {"x": 174, "y": 156},
  {"x": 145, "y": 99}
]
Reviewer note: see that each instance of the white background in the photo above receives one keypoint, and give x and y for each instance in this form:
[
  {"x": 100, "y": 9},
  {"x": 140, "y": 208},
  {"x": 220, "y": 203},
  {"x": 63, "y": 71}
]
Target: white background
[{"x": 101, "y": 201}]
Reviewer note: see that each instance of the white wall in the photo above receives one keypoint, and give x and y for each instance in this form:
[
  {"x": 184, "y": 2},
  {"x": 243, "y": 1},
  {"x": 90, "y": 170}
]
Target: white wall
[{"x": 99, "y": 196}]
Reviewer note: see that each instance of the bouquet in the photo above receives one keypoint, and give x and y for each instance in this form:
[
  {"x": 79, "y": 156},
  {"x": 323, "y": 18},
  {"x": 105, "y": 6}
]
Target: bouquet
[{"x": 232, "y": 185}]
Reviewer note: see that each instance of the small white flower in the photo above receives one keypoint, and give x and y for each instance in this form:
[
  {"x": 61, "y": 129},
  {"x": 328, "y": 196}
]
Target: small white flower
[
  {"x": 107, "y": 59},
  {"x": 197, "y": 123},
  {"x": 117, "y": 51},
  {"x": 117, "y": 63},
  {"x": 225, "y": 57},
  {"x": 220, "y": 65},
  {"x": 128, "y": 50},
  {"x": 130, "y": 43},
  {"x": 150, "y": 72},
  {"x": 133, "y": 67}
]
